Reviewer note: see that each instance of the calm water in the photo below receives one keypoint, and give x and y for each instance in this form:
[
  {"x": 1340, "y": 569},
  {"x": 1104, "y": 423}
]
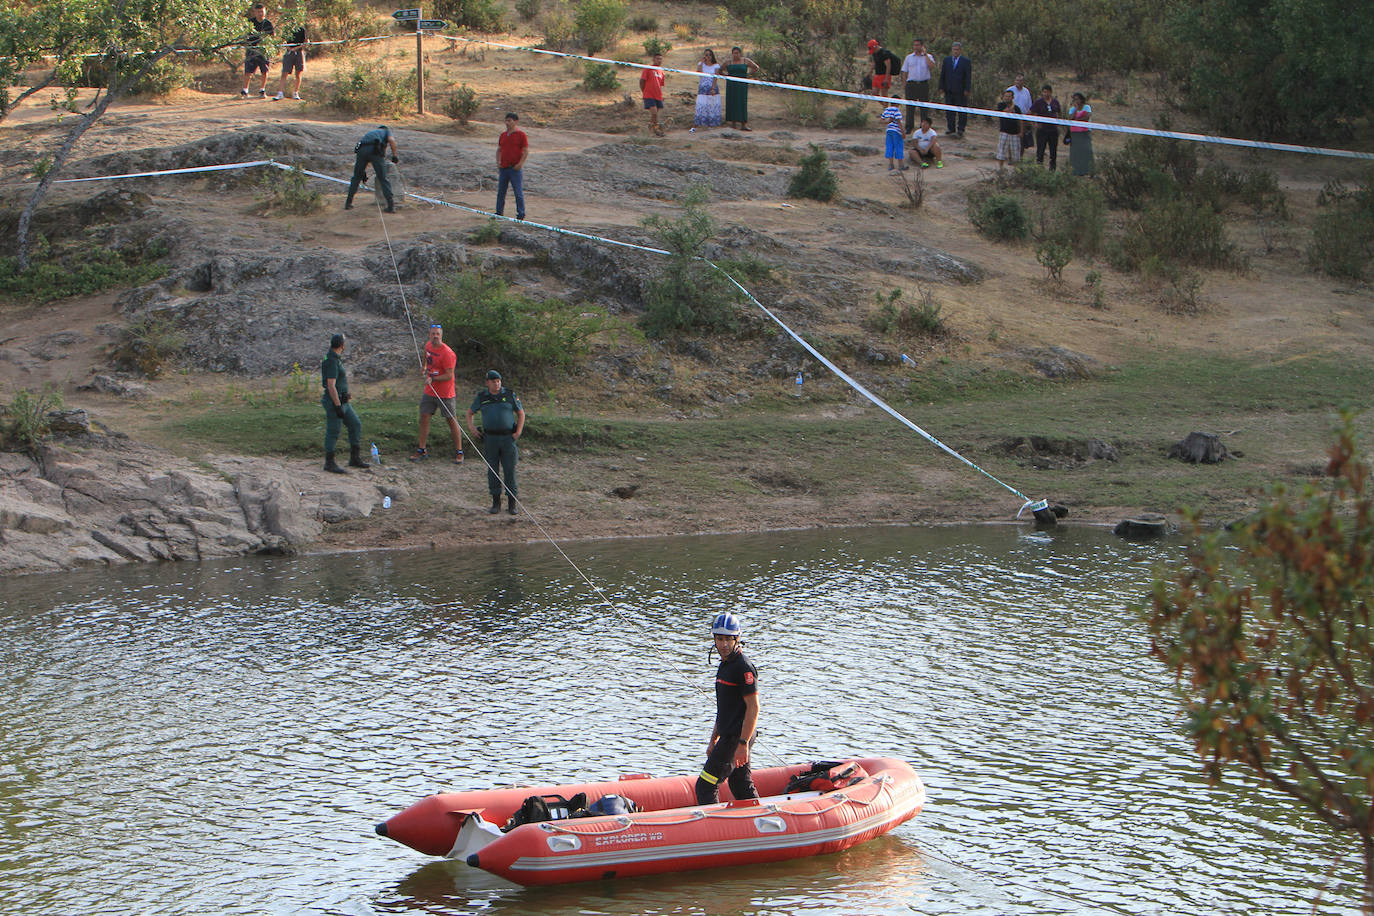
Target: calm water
[{"x": 221, "y": 738}]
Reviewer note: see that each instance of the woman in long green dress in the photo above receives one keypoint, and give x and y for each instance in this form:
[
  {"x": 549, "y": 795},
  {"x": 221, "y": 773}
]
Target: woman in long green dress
[
  {"x": 1081, "y": 145},
  {"x": 737, "y": 94}
]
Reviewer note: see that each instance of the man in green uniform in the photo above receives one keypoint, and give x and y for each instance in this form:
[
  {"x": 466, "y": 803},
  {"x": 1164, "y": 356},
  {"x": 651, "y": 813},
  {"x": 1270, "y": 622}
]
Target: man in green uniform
[
  {"x": 503, "y": 420},
  {"x": 371, "y": 150},
  {"x": 337, "y": 410}
]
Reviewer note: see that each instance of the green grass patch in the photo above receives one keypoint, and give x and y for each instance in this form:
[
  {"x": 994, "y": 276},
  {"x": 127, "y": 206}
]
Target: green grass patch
[{"x": 79, "y": 272}]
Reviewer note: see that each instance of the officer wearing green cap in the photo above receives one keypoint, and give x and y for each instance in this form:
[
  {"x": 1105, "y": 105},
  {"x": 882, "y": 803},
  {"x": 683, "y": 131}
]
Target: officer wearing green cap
[{"x": 503, "y": 420}]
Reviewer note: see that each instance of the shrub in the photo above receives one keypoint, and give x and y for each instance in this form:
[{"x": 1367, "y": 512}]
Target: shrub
[
  {"x": 815, "y": 179},
  {"x": 1174, "y": 287},
  {"x": 366, "y": 91},
  {"x": 850, "y": 117},
  {"x": 687, "y": 30},
  {"x": 999, "y": 216},
  {"x": 804, "y": 108},
  {"x": 486, "y": 233},
  {"x": 689, "y": 294},
  {"x": 1343, "y": 231},
  {"x": 147, "y": 345},
  {"x": 1176, "y": 231},
  {"x": 89, "y": 270},
  {"x": 24, "y": 421},
  {"x": 656, "y": 45},
  {"x": 486, "y": 323},
  {"x": 479, "y": 15},
  {"x": 600, "y": 23},
  {"x": 167, "y": 74},
  {"x": 288, "y": 192},
  {"x": 1054, "y": 256},
  {"x": 599, "y": 77},
  {"x": 920, "y": 319},
  {"x": 333, "y": 20},
  {"x": 1093, "y": 281},
  {"x": 643, "y": 23},
  {"x": 527, "y": 9},
  {"x": 462, "y": 104},
  {"x": 558, "y": 27}
]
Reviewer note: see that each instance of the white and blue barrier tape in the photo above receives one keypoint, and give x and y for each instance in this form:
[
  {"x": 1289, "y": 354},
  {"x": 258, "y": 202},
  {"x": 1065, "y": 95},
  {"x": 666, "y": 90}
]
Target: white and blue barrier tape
[{"x": 1027, "y": 502}]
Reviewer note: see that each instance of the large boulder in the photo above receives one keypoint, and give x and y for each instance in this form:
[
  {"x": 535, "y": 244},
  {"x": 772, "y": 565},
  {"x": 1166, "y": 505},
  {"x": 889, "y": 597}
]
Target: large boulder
[{"x": 1200, "y": 448}]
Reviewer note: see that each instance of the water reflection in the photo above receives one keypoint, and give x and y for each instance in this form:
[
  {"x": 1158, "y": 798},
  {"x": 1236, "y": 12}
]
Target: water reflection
[{"x": 220, "y": 738}]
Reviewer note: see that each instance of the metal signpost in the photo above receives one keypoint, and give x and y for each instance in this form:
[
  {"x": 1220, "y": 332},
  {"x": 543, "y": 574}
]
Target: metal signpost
[{"x": 414, "y": 16}]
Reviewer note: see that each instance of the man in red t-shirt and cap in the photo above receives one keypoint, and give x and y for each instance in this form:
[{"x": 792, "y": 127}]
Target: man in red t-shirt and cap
[
  {"x": 511, "y": 149},
  {"x": 439, "y": 394}
]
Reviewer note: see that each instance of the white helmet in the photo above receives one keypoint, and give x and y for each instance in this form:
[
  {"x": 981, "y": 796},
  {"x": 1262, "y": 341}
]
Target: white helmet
[{"x": 726, "y": 624}]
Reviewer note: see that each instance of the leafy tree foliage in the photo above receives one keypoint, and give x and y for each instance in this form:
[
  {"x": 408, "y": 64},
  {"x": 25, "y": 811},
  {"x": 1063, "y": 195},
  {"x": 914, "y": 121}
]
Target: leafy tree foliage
[
  {"x": 689, "y": 294},
  {"x": 1271, "y": 644},
  {"x": 132, "y": 36}
]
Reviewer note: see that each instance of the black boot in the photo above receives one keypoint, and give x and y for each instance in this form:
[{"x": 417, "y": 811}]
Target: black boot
[
  {"x": 510, "y": 506},
  {"x": 495, "y": 505},
  {"x": 355, "y": 456},
  {"x": 330, "y": 466}
]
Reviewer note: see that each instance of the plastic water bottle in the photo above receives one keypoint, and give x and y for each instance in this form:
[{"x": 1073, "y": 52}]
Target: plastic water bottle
[
  {"x": 386, "y": 502},
  {"x": 376, "y": 455},
  {"x": 799, "y": 383},
  {"x": 907, "y": 359}
]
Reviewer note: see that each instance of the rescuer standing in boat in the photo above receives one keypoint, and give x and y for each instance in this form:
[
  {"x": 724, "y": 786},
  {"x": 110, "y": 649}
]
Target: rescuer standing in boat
[{"x": 737, "y": 717}]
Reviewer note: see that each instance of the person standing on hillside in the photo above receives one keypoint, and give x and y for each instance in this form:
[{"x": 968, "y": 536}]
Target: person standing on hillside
[
  {"x": 917, "y": 69},
  {"x": 511, "y": 149},
  {"x": 737, "y": 94},
  {"x": 737, "y": 716},
  {"x": 438, "y": 393},
  {"x": 886, "y": 65},
  {"x": 371, "y": 150},
  {"x": 337, "y": 411},
  {"x": 292, "y": 62},
  {"x": 1047, "y": 135},
  {"x": 893, "y": 138},
  {"x": 503, "y": 420},
  {"x": 254, "y": 56},
  {"x": 1021, "y": 95},
  {"x": 956, "y": 82},
  {"x": 1008, "y": 131},
  {"x": 651, "y": 82}
]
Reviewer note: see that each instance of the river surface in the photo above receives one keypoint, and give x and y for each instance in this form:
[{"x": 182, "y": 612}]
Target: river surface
[{"x": 221, "y": 738}]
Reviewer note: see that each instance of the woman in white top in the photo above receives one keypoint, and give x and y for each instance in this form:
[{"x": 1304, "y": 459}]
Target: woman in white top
[{"x": 708, "y": 92}]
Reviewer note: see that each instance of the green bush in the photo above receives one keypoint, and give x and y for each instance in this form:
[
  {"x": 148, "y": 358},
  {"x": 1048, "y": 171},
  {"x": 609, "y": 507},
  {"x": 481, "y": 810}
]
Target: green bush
[
  {"x": 1176, "y": 232},
  {"x": 485, "y": 324},
  {"x": 527, "y": 9},
  {"x": 167, "y": 74},
  {"x": 81, "y": 272},
  {"x": 1224, "y": 187},
  {"x": 147, "y": 345},
  {"x": 479, "y": 15},
  {"x": 656, "y": 45},
  {"x": 486, "y": 233},
  {"x": 1054, "y": 256},
  {"x": 688, "y": 294},
  {"x": 999, "y": 216},
  {"x": 806, "y": 109},
  {"x": 599, "y": 77},
  {"x": 600, "y": 23},
  {"x": 1343, "y": 231},
  {"x": 558, "y": 27},
  {"x": 363, "y": 90},
  {"x": 462, "y": 104},
  {"x": 815, "y": 179},
  {"x": 288, "y": 192},
  {"x": 643, "y": 22},
  {"x": 850, "y": 117},
  {"x": 920, "y": 319},
  {"x": 24, "y": 421}
]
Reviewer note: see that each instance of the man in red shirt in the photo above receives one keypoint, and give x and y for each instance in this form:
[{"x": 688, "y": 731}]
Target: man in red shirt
[
  {"x": 438, "y": 393},
  {"x": 511, "y": 149},
  {"x": 651, "y": 80}
]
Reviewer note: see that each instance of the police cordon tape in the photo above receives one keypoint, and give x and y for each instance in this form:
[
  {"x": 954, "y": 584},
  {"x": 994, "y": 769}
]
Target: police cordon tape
[
  {"x": 910, "y": 103},
  {"x": 1027, "y": 503}
]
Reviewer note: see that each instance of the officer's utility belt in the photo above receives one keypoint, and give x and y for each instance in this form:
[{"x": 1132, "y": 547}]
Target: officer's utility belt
[
  {"x": 373, "y": 145},
  {"x": 499, "y": 432}
]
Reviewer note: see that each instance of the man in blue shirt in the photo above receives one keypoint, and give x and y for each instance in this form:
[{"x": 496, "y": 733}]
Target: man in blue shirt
[{"x": 503, "y": 420}]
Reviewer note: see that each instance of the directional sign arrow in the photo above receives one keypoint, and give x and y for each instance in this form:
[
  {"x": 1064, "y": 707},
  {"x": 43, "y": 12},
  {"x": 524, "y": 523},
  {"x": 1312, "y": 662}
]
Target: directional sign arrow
[
  {"x": 406, "y": 14},
  {"x": 431, "y": 25}
]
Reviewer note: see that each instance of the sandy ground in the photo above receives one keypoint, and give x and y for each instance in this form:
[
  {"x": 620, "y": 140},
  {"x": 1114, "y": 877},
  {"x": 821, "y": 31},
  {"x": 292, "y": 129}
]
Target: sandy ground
[{"x": 1275, "y": 310}]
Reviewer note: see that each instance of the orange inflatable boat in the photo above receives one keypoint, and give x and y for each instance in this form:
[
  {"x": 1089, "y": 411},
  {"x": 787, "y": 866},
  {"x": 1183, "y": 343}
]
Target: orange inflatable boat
[{"x": 843, "y": 805}]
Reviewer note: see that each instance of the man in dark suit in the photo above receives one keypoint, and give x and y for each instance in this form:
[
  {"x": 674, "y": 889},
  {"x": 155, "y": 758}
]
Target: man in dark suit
[{"x": 956, "y": 82}]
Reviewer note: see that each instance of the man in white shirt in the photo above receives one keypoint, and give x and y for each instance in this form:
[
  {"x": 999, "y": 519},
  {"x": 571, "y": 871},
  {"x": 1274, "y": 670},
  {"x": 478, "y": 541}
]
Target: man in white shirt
[
  {"x": 916, "y": 72},
  {"x": 925, "y": 147},
  {"x": 1021, "y": 95}
]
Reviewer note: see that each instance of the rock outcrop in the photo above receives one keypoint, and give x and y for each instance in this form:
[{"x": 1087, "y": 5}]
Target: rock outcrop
[{"x": 92, "y": 500}]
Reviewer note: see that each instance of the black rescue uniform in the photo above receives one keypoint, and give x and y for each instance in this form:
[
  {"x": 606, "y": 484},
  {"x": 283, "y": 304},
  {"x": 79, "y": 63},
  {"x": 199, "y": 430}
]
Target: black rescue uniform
[{"x": 736, "y": 678}]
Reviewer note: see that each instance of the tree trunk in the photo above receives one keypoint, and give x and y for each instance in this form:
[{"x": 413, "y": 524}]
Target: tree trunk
[
  {"x": 1367, "y": 847},
  {"x": 60, "y": 157},
  {"x": 47, "y": 81}
]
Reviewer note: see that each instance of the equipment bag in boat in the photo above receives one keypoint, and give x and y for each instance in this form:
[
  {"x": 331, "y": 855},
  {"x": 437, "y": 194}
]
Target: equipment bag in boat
[
  {"x": 539, "y": 808},
  {"x": 825, "y": 776}
]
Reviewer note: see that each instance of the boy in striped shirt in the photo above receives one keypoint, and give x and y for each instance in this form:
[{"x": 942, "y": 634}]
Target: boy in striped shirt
[{"x": 896, "y": 148}]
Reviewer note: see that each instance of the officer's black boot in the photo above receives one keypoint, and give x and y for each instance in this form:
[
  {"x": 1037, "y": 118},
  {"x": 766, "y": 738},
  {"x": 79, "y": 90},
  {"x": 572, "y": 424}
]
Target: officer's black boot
[
  {"x": 495, "y": 505},
  {"x": 348, "y": 202},
  {"x": 355, "y": 456},
  {"x": 390, "y": 205},
  {"x": 510, "y": 505},
  {"x": 330, "y": 466}
]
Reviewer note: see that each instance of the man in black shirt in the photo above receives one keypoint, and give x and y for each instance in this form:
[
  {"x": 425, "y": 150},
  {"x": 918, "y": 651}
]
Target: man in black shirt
[
  {"x": 292, "y": 61},
  {"x": 254, "y": 57},
  {"x": 886, "y": 65},
  {"x": 737, "y": 717}
]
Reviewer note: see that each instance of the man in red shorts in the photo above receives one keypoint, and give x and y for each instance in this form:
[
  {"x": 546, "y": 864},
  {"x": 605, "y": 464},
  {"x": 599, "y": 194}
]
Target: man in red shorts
[
  {"x": 438, "y": 393},
  {"x": 886, "y": 65}
]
